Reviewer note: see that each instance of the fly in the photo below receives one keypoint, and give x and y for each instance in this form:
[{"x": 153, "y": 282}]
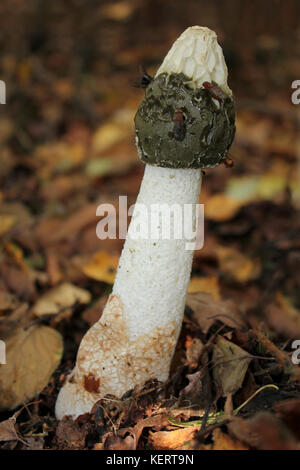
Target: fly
[
  {"x": 146, "y": 78},
  {"x": 179, "y": 125},
  {"x": 215, "y": 91}
]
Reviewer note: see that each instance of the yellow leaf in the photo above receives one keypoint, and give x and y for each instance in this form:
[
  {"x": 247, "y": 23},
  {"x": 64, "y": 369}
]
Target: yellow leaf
[
  {"x": 210, "y": 285},
  {"x": 165, "y": 440},
  {"x": 236, "y": 265},
  {"x": 7, "y": 221},
  {"x": 60, "y": 298},
  {"x": 221, "y": 207},
  {"x": 107, "y": 135},
  {"x": 224, "y": 442},
  {"x": 119, "y": 11},
  {"x": 31, "y": 357},
  {"x": 102, "y": 267}
]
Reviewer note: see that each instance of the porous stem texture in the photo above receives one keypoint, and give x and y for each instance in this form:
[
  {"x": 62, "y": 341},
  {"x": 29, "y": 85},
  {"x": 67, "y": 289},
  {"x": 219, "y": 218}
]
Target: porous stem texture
[{"x": 135, "y": 338}]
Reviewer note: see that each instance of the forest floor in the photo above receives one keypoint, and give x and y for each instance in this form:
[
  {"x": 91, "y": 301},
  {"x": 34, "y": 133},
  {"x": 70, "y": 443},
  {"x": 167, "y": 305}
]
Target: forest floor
[{"x": 67, "y": 145}]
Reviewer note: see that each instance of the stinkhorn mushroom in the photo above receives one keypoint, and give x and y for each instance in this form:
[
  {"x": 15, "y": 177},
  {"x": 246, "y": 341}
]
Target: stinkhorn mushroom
[{"x": 184, "y": 123}]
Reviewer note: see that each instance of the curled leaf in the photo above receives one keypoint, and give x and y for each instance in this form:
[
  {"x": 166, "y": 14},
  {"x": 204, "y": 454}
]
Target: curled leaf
[{"x": 59, "y": 298}]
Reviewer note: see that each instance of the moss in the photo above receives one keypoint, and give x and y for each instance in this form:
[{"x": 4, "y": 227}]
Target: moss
[{"x": 204, "y": 135}]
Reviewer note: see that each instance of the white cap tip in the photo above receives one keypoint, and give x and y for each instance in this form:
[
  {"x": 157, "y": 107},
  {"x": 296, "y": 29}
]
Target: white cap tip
[{"x": 197, "y": 54}]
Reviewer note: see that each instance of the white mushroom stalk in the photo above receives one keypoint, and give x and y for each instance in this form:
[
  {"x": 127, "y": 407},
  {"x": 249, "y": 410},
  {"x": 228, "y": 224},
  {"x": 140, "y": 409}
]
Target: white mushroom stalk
[{"x": 135, "y": 338}]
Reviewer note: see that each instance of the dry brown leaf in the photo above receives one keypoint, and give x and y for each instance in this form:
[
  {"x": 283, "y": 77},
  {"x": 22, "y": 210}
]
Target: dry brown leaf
[
  {"x": 264, "y": 432},
  {"x": 102, "y": 267},
  {"x": 289, "y": 412},
  {"x": 35, "y": 442},
  {"x": 7, "y": 428},
  {"x": 283, "y": 317},
  {"x": 69, "y": 229},
  {"x": 58, "y": 156},
  {"x": 17, "y": 281},
  {"x": 171, "y": 440},
  {"x": 60, "y": 298},
  {"x": 152, "y": 421},
  {"x": 207, "y": 311},
  {"x": 210, "y": 285},
  {"x": 53, "y": 268},
  {"x": 194, "y": 348},
  {"x": 237, "y": 266},
  {"x": 230, "y": 364},
  {"x": 123, "y": 439},
  {"x": 7, "y": 221},
  {"x": 199, "y": 390},
  {"x": 119, "y": 11},
  {"x": 31, "y": 357},
  {"x": 70, "y": 434},
  {"x": 7, "y": 301},
  {"x": 281, "y": 357},
  {"x": 224, "y": 442},
  {"x": 128, "y": 438}
]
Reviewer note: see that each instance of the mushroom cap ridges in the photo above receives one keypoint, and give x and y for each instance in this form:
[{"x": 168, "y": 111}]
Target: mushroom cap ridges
[
  {"x": 197, "y": 54},
  {"x": 180, "y": 123}
]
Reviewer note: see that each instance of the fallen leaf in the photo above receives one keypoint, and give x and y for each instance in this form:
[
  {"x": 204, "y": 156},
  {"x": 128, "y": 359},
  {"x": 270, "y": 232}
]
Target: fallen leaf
[
  {"x": 289, "y": 412},
  {"x": 35, "y": 442},
  {"x": 242, "y": 189},
  {"x": 237, "y": 266},
  {"x": 7, "y": 301},
  {"x": 102, "y": 267},
  {"x": 31, "y": 357},
  {"x": 283, "y": 317},
  {"x": 171, "y": 440},
  {"x": 97, "y": 167},
  {"x": 7, "y": 428},
  {"x": 152, "y": 421},
  {"x": 281, "y": 357},
  {"x": 198, "y": 391},
  {"x": 224, "y": 442},
  {"x": 263, "y": 432},
  {"x": 60, "y": 298},
  {"x": 230, "y": 364},
  {"x": 119, "y": 11},
  {"x": 267, "y": 185},
  {"x": 53, "y": 268},
  {"x": 123, "y": 439},
  {"x": 210, "y": 285},
  {"x": 7, "y": 221},
  {"x": 70, "y": 228},
  {"x": 17, "y": 281},
  {"x": 16, "y": 318},
  {"x": 221, "y": 207},
  {"x": 59, "y": 156},
  {"x": 194, "y": 348},
  {"x": 107, "y": 135},
  {"x": 207, "y": 311},
  {"x": 70, "y": 434}
]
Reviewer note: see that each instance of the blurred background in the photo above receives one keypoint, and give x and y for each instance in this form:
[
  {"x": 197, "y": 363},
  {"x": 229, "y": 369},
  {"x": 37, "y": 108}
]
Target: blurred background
[{"x": 72, "y": 71}]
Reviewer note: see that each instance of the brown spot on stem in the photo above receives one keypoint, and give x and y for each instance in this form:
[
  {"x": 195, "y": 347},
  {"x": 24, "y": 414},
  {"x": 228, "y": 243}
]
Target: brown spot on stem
[{"x": 91, "y": 384}]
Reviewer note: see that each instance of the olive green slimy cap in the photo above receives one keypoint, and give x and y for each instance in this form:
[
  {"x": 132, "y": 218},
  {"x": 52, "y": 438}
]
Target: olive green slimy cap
[{"x": 180, "y": 126}]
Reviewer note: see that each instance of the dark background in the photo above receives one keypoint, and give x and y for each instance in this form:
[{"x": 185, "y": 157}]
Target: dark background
[{"x": 72, "y": 74}]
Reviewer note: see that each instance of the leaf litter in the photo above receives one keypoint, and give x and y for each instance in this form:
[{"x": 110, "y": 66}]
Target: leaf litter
[{"x": 66, "y": 147}]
